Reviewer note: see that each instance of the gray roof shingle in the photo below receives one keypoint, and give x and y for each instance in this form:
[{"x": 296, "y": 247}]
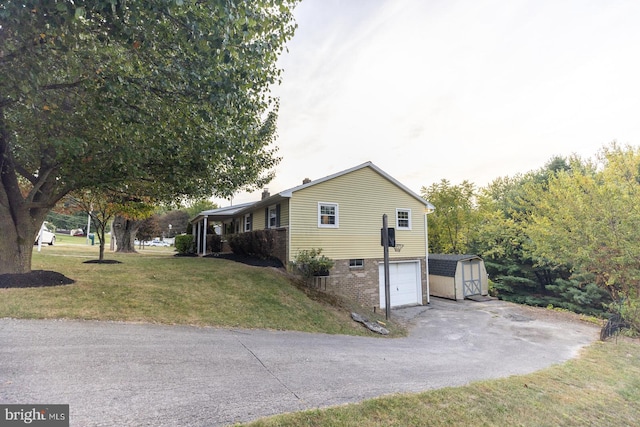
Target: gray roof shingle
[{"x": 445, "y": 264}]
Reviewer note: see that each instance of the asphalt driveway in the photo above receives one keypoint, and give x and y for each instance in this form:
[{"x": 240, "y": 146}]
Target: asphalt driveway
[{"x": 154, "y": 375}]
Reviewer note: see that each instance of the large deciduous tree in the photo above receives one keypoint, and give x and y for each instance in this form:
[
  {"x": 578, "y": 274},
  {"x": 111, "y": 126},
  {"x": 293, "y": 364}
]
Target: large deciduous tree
[
  {"x": 168, "y": 96},
  {"x": 589, "y": 218},
  {"x": 452, "y": 225}
]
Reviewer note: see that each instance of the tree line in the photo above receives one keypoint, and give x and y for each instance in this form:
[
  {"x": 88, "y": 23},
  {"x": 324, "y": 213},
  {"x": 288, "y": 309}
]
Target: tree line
[{"x": 567, "y": 234}]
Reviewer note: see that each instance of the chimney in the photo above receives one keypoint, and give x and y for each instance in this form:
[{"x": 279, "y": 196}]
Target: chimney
[
  {"x": 306, "y": 181},
  {"x": 265, "y": 193}
]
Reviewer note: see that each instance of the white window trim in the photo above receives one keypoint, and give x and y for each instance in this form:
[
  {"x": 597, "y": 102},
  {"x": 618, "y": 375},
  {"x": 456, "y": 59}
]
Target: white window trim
[
  {"x": 357, "y": 263},
  {"x": 398, "y": 227},
  {"x": 247, "y": 223},
  {"x": 320, "y": 224}
]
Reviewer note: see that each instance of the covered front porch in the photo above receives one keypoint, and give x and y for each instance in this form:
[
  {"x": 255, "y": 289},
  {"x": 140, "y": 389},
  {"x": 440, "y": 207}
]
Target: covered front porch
[{"x": 215, "y": 221}]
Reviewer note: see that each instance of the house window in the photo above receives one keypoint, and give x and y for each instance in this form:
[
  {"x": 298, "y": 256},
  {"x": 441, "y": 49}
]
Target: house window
[
  {"x": 273, "y": 217},
  {"x": 327, "y": 215},
  {"x": 248, "y": 219},
  {"x": 403, "y": 219},
  {"x": 356, "y": 263}
]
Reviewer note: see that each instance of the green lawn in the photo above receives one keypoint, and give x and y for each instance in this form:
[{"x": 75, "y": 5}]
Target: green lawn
[{"x": 155, "y": 286}]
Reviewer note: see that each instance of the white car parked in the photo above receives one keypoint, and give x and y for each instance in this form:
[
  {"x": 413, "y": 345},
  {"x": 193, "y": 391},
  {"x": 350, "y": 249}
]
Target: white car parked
[
  {"x": 158, "y": 242},
  {"x": 48, "y": 237}
]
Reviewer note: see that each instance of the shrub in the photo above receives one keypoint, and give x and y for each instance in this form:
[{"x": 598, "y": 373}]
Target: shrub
[
  {"x": 258, "y": 243},
  {"x": 630, "y": 311},
  {"x": 185, "y": 244},
  {"x": 214, "y": 243},
  {"x": 312, "y": 263}
]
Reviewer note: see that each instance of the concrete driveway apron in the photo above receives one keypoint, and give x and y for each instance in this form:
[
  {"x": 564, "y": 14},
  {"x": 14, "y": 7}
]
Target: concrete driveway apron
[{"x": 128, "y": 374}]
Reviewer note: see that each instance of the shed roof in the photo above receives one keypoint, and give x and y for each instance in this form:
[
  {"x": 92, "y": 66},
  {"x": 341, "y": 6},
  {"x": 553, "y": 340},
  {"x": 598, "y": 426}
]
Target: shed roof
[{"x": 446, "y": 264}]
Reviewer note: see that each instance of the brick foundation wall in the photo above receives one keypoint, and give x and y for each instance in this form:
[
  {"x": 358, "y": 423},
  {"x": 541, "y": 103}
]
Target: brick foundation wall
[{"x": 361, "y": 284}]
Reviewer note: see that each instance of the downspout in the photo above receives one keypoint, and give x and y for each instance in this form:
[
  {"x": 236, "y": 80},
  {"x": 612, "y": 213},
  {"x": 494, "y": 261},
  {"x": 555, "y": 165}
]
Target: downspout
[
  {"x": 288, "y": 251},
  {"x": 427, "y": 211}
]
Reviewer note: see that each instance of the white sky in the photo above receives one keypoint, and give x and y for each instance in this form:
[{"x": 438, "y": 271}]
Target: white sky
[{"x": 469, "y": 89}]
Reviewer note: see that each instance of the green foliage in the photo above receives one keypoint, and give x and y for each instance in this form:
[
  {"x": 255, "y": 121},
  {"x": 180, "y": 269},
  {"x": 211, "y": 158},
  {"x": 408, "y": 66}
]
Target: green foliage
[
  {"x": 630, "y": 312},
  {"x": 67, "y": 221},
  {"x": 178, "y": 219},
  {"x": 579, "y": 295},
  {"x": 311, "y": 262},
  {"x": 148, "y": 228},
  {"x": 452, "y": 225},
  {"x": 589, "y": 218},
  {"x": 166, "y": 100},
  {"x": 258, "y": 243},
  {"x": 185, "y": 244},
  {"x": 198, "y": 206},
  {"x": 566, "y": 234},
  {"x": 214, "y": 243}
]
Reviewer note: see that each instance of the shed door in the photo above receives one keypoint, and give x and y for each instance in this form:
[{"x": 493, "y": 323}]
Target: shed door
[
  {"x": 471, "y": 284},
  {"x": 406, "y": 286}
]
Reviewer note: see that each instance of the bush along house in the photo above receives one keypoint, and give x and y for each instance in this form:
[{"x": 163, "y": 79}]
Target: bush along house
[{"x": 340, "y": 214}]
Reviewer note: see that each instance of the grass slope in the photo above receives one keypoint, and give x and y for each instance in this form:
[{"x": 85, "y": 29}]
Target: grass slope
[{"x": 154, "y": 286}]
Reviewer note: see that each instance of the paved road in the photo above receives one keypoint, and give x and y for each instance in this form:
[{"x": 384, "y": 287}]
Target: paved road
[{"x": 153, "y": 375}]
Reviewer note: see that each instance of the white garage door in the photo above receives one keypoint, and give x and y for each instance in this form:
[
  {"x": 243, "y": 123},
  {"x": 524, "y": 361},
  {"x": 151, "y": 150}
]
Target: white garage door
[{"x": 404, "y": 278}]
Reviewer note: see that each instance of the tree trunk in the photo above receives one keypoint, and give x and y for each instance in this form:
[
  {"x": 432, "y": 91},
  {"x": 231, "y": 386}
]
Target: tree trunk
[
  {"x": 20, "y": 217},
  {"x": 125, "y": 231},
  {"x": 19, "y": 231},
  {"x": 100, "y": 233}
]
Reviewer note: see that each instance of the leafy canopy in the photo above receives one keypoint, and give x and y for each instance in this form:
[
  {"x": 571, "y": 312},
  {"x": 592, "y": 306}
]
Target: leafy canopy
[{"x": 172, "y": 96}]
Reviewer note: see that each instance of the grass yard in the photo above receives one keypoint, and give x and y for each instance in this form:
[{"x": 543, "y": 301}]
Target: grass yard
[
  {"x": 600, "y": 388},
  {"x": 154, "y": 286}
]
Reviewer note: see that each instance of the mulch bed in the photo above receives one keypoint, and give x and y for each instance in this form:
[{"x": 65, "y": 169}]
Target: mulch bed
[
  {"x": 102, "y": 261},
  {"x": 35, "y": 279}
]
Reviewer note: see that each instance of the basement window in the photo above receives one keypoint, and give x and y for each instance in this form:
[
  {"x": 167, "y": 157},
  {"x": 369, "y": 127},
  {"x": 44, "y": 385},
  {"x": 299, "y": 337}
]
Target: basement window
[{"x": 356, "y": 263}]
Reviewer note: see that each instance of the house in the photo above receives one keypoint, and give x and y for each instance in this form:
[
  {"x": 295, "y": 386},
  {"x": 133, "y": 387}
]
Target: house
[
  {"x": 342, "y": 215},
  {"x": 457, "y": 276}
]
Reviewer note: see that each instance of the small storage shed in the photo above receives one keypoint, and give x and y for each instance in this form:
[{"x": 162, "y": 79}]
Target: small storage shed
[{"x": 457, "y": 276}]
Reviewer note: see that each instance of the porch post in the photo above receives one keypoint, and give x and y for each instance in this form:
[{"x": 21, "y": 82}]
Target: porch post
[
  {"x": 204, "y": 236},
  {"x": 197, "y": 237}
]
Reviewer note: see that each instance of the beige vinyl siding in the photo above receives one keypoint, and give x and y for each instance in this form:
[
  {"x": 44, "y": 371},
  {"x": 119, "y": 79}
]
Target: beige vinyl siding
[
  {"x": 363, "y": 196},
  {"x": 259, "y": 217},
  {"x": 284, "y": 213}
]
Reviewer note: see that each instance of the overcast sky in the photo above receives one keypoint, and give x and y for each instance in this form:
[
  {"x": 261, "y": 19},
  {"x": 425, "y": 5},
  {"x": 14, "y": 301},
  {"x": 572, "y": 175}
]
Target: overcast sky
[{"x": 470, "y": 89}]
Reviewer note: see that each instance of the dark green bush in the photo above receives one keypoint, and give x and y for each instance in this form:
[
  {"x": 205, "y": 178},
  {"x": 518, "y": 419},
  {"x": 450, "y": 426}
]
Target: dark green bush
[
  {"x": 185, "y": 244},
  {"x": 214, "y": 243},
  {"x": 258, "y": 243}
]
